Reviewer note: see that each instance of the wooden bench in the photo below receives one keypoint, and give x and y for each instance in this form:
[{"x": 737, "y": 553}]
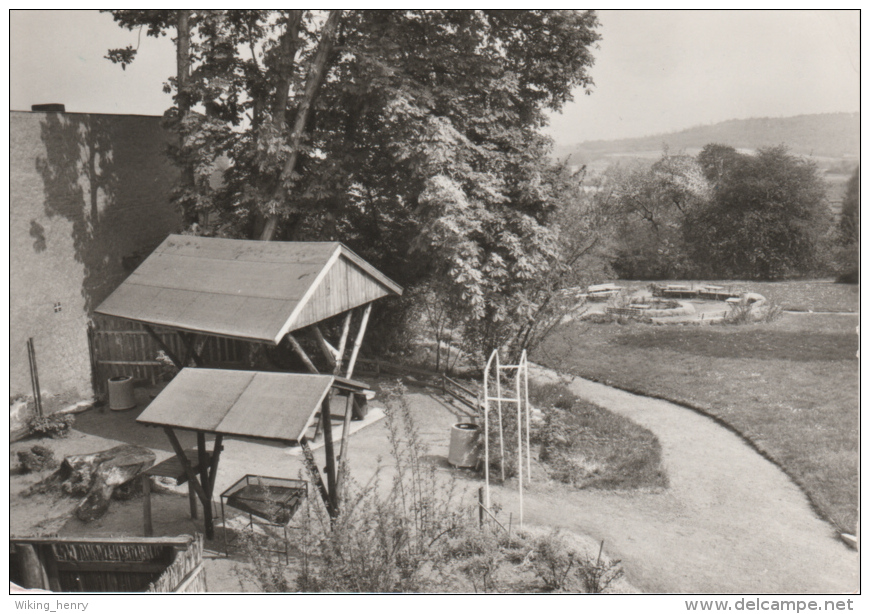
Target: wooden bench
[{"x": 170, "y": 468}]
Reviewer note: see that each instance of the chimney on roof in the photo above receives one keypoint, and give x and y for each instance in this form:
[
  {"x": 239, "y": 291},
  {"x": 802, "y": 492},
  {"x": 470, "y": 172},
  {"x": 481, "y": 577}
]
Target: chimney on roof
[{"x": 52, "y": 107}]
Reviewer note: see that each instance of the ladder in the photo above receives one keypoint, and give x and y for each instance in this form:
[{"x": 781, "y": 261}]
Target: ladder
[{"x": 515, "y": 393}]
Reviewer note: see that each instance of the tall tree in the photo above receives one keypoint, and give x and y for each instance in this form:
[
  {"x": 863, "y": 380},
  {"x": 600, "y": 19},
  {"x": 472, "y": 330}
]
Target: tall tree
[
  {"x": 850, "y": 214},
  {"x": 847, "y": 253},
  {"x": 653, "y": 204},
  {"x": 412, "y": 135},
  {"x": 765, "y": 220}
]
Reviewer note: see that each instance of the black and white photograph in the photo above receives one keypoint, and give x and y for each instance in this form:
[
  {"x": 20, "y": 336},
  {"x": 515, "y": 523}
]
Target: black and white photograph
[{"x": 330, "y": 302}]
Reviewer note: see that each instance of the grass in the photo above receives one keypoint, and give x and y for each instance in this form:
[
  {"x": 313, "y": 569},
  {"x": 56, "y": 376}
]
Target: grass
[
  {"x": 591, "y": 447},
  {"x": 791, "y": 386}
]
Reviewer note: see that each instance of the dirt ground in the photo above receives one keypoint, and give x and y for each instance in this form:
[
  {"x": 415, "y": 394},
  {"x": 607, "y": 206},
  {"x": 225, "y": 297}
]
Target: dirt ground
[
  {"x": 730, "y": 522},
  {"x": 99, "y": 429}
]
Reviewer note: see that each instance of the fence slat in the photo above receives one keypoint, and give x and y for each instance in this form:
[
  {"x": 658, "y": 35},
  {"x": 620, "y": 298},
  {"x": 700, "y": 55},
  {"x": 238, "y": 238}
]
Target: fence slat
[{"x": 122, "y": 347}]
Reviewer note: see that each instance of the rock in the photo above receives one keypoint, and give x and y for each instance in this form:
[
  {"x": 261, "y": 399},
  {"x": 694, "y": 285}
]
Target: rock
[{"x": 96, "y": 476}]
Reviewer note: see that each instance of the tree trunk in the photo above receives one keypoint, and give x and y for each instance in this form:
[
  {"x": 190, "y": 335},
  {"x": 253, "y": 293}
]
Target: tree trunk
[
  {"x": 182, "y": 99},
  {"x": 96, "y": 476},
  {"x": 316, "y": 75},
  {"x": 288, "y": 45}
]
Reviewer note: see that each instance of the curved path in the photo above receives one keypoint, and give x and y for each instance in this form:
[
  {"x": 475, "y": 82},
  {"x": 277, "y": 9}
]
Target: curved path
[{"x": 730, "y": 522}]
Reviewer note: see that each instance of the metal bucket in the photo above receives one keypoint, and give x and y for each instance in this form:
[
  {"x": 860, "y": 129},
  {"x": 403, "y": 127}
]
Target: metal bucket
[
  {"x": 121, "y": 393},
  {"x": 464, "y": 438}
]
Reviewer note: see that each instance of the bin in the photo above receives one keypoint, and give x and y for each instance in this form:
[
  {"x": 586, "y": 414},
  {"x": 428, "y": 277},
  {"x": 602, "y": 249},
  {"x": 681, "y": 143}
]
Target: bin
[
  {"x": 464, "y": 442},
  {"x": 121, "y": 393}
]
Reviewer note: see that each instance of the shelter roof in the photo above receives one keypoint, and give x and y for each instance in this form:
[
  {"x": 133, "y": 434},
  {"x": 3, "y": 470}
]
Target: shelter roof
[
  {"x": 257, "y": 404},
  {"x": 256, "y": 290}
]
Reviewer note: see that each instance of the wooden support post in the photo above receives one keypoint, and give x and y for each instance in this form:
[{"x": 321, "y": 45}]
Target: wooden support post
[
  {"x": 342, "y": 344},
  {"x": 342, "y": 454},
  {"x": 187, "y": 340},
  {"x": 358, "y": 342},
  {"x": 148, "y": 529},
  {"x": 207, "y": 513},
  {"x": 301, "y": 353},
  {"x": 30, "y": 567},
  {"x": 194, "y": 480},
  {"x": 329, "y": 449},
  {"x": 191, "y": 499},
  {"x": 166, "y": 349},
  {"x": 49, "y": 558},
  {"x": 34, "y": 377},
  {"x": 215, "y": 457},
  {"x": 327, "y": 350},
  {"x": 311, "y": 466},
  {"x": 480, "y": 506}
]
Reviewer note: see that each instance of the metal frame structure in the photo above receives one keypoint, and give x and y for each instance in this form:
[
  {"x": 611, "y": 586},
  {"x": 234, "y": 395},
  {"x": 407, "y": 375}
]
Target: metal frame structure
[{"x": 520, "y": 373}]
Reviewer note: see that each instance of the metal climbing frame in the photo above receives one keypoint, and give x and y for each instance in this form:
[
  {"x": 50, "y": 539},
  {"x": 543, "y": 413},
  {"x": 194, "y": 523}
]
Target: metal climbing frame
[{"x": 494, "y": 373}]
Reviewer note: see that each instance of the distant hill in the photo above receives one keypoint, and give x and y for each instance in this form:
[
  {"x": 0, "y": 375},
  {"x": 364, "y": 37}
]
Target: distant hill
[{"x": 829, "y": 135}]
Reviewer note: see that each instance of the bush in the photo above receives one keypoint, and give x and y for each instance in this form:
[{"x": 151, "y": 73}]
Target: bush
[
  {"x": 751, "y": 314},
  {"x": 561, "y": 567},
  {"x": 389, "y": 537},
  {"x": 481, "y": 556},
  {"x": 553, "y": 561},
  {"x": 52, "y": 425},
  {"x": 597, "y": 576}
]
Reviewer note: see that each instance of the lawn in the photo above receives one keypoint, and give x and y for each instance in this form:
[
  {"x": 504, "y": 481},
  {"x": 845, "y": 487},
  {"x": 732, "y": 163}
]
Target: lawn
[{"x": 791, "y": 386}]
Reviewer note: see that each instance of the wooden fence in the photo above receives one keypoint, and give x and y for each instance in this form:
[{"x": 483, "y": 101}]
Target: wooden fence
[
  {"x": 448, "y": 386},
  {"x": 122, "y": 347}
]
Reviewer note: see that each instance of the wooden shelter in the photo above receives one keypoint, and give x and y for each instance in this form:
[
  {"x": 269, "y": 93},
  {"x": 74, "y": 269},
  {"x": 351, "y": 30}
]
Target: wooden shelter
[
  {"x": 259, "y": 291},
  {"x": 255, "y": 405}
]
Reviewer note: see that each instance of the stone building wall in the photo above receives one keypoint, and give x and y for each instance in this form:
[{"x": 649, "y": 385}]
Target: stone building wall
[{"x": 89, "y": 200}]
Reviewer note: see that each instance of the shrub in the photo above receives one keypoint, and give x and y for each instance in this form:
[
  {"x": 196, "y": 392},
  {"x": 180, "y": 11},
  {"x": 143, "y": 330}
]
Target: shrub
[
  {"x": 37, "y": 458},
  {"x": 597, "y": 576},
  {"x": 751, "y": 314},
  {"x": 553, "y": 561},
  {"x": 386, "y": 534},
  {"x": 52, "y": 425},
  {"x": 480, "y": 554}
]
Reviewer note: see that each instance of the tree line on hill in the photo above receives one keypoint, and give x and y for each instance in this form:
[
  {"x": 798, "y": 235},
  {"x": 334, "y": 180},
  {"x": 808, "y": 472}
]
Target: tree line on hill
[
  {"x": 728, "y": 215},
  {"x": 834, "y": 135}
]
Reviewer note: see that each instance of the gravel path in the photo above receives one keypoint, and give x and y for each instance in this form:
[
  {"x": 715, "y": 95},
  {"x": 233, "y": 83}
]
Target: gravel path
[{"x": 730, "y": 522}]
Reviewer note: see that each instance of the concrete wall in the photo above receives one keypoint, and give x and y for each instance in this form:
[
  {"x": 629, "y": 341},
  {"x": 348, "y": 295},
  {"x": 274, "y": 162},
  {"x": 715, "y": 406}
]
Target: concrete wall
[{"x": 89, "y": 200}]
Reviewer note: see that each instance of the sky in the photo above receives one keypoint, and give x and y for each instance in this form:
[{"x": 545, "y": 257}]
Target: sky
[{"x": 655, "y": 71}]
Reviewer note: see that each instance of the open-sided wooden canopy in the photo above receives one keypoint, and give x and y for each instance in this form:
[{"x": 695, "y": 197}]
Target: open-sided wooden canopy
[
  {"x": 261, "y": 405},
  {"x": 254, "y": 290}
]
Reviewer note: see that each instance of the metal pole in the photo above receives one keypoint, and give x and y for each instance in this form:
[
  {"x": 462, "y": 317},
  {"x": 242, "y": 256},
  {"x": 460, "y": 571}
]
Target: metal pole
[
  {"x": 525, "y": 371},
  {"x": 520, "y": 445},
  {"x": 498, "y": 404},
  {"x": 486, "y": 426}
]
